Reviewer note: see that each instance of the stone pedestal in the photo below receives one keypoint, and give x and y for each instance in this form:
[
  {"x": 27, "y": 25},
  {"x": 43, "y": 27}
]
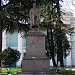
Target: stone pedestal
[{"x": 35, "y": 60}]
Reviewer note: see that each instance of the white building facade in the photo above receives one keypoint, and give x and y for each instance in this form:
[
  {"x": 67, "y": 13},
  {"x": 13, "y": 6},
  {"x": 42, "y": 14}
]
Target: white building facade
[{"x": 73, "y": 43}]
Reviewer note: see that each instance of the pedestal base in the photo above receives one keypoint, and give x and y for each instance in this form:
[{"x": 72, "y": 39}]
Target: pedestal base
[
  {"x": 25, "y": 73},
  {"x": 35, "y": 60},
  {"x": 35, "y": 65},
  {"x": 37, "y": 73}
]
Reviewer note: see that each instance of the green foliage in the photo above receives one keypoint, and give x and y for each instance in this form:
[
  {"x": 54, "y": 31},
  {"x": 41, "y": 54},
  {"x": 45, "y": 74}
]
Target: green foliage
[
  {"x": 9, "y": 56},
  {"x": 56, "y": 40},
  {"x": 61, "y": 35},
  {"x": 17, "y": 10},
  {"x": 12, "y": 70},
  {"x": 14, "y": 12},
  {"x": 69, "y": 71}
]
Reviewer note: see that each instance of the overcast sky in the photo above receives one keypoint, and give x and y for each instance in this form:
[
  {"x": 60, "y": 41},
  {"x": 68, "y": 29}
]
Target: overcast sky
[
  {"x": 4, "y": 2},
  {"x": 69, "y": 5}
]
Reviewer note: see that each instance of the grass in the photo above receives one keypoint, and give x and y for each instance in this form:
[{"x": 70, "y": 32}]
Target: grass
[
  {"x": 69, "y": 71},
  {"x": 15, "y": 70},
  {"x": 11, "y": 70}
]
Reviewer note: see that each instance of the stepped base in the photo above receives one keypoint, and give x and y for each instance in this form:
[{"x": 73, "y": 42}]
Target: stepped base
[
  {"x": 36, "y": 73},
  {"x": 35, "y": 65}
]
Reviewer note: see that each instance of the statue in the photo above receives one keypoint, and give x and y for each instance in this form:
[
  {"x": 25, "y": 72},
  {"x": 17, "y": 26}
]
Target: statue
[{"x": 34, "y": 17}]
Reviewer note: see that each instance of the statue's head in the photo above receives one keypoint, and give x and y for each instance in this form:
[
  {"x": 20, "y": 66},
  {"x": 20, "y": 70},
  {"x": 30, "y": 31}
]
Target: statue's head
[{"x": 34, "y": 3}]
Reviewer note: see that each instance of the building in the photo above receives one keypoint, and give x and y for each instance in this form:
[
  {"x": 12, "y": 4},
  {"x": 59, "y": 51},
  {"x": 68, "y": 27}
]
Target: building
[{"x": 72, "y": 38}]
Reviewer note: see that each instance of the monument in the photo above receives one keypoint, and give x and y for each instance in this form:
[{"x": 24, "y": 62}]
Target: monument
[{"x": 35, "y": 62}]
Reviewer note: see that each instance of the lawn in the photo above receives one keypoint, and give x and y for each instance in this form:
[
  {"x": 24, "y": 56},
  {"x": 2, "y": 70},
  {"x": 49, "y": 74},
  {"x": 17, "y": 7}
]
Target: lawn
[
  {"x": 11, "y": 70},
  {"x": 16, "y": 70},
  {"x": 66, "y": 71}
]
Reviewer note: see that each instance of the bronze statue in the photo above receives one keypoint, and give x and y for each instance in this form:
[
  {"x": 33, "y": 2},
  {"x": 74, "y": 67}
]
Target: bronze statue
[{"x": 34, "y": 17}]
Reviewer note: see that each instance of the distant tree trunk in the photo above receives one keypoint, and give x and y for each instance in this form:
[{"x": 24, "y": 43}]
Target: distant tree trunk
[
  {"x": 51, "y": 45},
  {"x": 0, "y": 35},
  {"x": 59, "y": 41},
  {"x": 52, "y": 49},
  {"x": 60, "y": 52},
  {"x": 50, "y": 36}
]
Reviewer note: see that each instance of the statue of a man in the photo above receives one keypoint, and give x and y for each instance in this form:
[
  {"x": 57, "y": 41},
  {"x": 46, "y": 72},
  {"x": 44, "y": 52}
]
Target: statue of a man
[{"x": 34, "y": 17}]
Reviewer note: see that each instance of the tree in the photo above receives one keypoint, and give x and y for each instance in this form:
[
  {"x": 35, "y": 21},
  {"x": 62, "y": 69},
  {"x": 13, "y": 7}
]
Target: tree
[
  {"x": 56, "y": 40},
  {"x": 48, "y": 13},
  {"x": 10, "y": 19},
  {"x": 9, "y": 56}
]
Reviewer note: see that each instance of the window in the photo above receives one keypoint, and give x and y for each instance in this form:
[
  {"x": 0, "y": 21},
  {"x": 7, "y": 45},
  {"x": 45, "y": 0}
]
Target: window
[
  {"x": 23, "y": 42},
  {"x": 12, "y": 40}
]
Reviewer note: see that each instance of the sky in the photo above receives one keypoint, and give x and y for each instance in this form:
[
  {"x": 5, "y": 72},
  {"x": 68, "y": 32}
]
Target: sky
[
  {"x": 66, "y": 4},
  {"x": 69, "y": 5},
  {"x": 4, "y": 2}
]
